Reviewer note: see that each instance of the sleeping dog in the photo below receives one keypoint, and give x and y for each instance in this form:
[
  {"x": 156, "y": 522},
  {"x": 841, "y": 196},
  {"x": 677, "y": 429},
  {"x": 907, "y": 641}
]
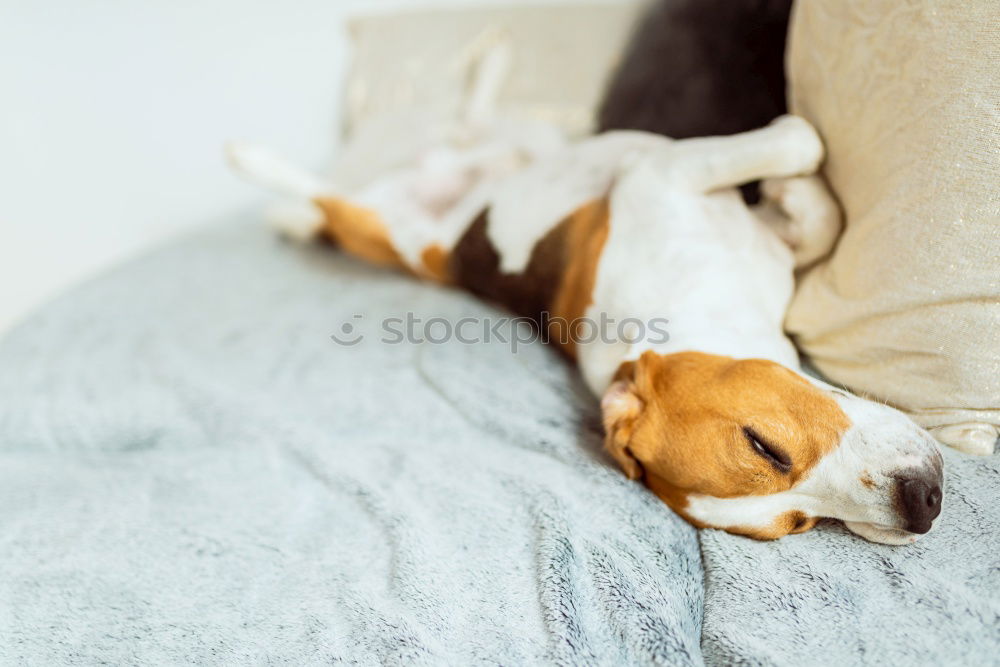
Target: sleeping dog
[{"x": 718, "y": 420}]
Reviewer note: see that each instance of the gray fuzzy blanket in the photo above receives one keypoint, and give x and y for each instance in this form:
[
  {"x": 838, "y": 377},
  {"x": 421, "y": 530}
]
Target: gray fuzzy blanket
[{"x": 193, "y": 472}]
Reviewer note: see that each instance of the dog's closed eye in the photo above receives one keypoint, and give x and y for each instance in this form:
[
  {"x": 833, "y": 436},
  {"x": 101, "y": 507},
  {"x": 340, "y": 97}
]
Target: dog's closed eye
[{"x": 774, "y": 455}]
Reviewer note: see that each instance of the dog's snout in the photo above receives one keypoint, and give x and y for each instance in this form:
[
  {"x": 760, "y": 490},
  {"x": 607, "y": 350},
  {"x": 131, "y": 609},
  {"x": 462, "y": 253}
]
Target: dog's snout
[{"x": 920, "y": 501}]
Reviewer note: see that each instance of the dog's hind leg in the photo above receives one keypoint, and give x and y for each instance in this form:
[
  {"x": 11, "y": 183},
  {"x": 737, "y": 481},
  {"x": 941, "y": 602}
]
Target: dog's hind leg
[
  {"x": 383, "y": 225},
  {"x": 297, "y": 217},
  {"x": 789, "y": 146},
  {"x": 481, "y": 100},
  {"x": 313, "y": 208}
]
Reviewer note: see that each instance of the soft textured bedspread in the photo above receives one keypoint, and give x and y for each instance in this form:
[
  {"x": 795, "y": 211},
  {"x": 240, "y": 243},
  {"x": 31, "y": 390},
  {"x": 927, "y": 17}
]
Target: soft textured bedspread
[{"x": 193, "y": 471}]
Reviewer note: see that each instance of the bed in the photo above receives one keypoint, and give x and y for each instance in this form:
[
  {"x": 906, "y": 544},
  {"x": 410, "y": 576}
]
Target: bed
[{"x": 193, "y": 471}]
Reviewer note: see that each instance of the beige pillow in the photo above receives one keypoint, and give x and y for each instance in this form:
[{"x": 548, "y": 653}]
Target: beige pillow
[
  {"x": 907, "y": 308},
  {"x": 562, "y": 57}
]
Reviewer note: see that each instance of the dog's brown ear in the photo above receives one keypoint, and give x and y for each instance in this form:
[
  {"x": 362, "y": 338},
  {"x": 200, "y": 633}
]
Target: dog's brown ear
[{"x": 621, "y": 407}]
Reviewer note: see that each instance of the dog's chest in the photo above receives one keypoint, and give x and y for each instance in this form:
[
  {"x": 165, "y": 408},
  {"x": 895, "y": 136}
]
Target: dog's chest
[{"x": 556, "y": 284}]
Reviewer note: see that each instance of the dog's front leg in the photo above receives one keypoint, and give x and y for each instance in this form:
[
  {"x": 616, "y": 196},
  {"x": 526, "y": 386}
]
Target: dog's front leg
[
  {"x": 787, "y": 147},
  {"x": 803, "y": 213}
]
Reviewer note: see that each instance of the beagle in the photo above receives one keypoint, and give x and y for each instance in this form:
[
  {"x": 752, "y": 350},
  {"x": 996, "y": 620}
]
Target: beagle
[{"x": 718, "y": 420}]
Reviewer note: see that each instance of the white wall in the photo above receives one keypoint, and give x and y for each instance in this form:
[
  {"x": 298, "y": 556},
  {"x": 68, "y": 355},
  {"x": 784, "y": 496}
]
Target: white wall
[{"x": 113, "y": 113}]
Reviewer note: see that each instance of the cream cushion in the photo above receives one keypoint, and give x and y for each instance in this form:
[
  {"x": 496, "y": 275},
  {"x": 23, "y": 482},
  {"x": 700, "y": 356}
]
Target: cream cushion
[{"x": 907, "y": 307}]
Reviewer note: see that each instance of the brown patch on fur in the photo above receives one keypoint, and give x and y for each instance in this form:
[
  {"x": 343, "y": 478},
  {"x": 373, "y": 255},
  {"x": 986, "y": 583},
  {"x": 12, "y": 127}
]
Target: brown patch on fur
[
  {"x": 584, "y": 235},
  {"x": 434, "y": 259},
  {"x": 475, "y": 265},
  {"x": 558, "y": 280},
  {"x": 359, "y": 231},
  {"x": 789, "y": 523},
  {"x": 688, "y": 438},
  {"x": 867, "y": 481}
]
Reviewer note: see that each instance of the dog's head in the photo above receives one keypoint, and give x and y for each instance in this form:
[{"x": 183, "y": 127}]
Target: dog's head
[{"x": 756, "y": 449}]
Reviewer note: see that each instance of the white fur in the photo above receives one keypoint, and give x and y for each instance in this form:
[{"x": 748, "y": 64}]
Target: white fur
[{"x": 803, "y": 213}]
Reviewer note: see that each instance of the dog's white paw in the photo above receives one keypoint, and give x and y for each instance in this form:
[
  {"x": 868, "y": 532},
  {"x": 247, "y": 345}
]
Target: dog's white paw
[
  {"x": 803, "y": 149},
  {"x": 298, "y": 221},
  {"x": 813, "y": 218},
  {"x": 262, "y": 167},
  {"x": 975, "y": 438}
]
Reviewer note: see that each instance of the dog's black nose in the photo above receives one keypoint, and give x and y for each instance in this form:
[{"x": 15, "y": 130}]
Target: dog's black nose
[{"x": 920, "y": 500}]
